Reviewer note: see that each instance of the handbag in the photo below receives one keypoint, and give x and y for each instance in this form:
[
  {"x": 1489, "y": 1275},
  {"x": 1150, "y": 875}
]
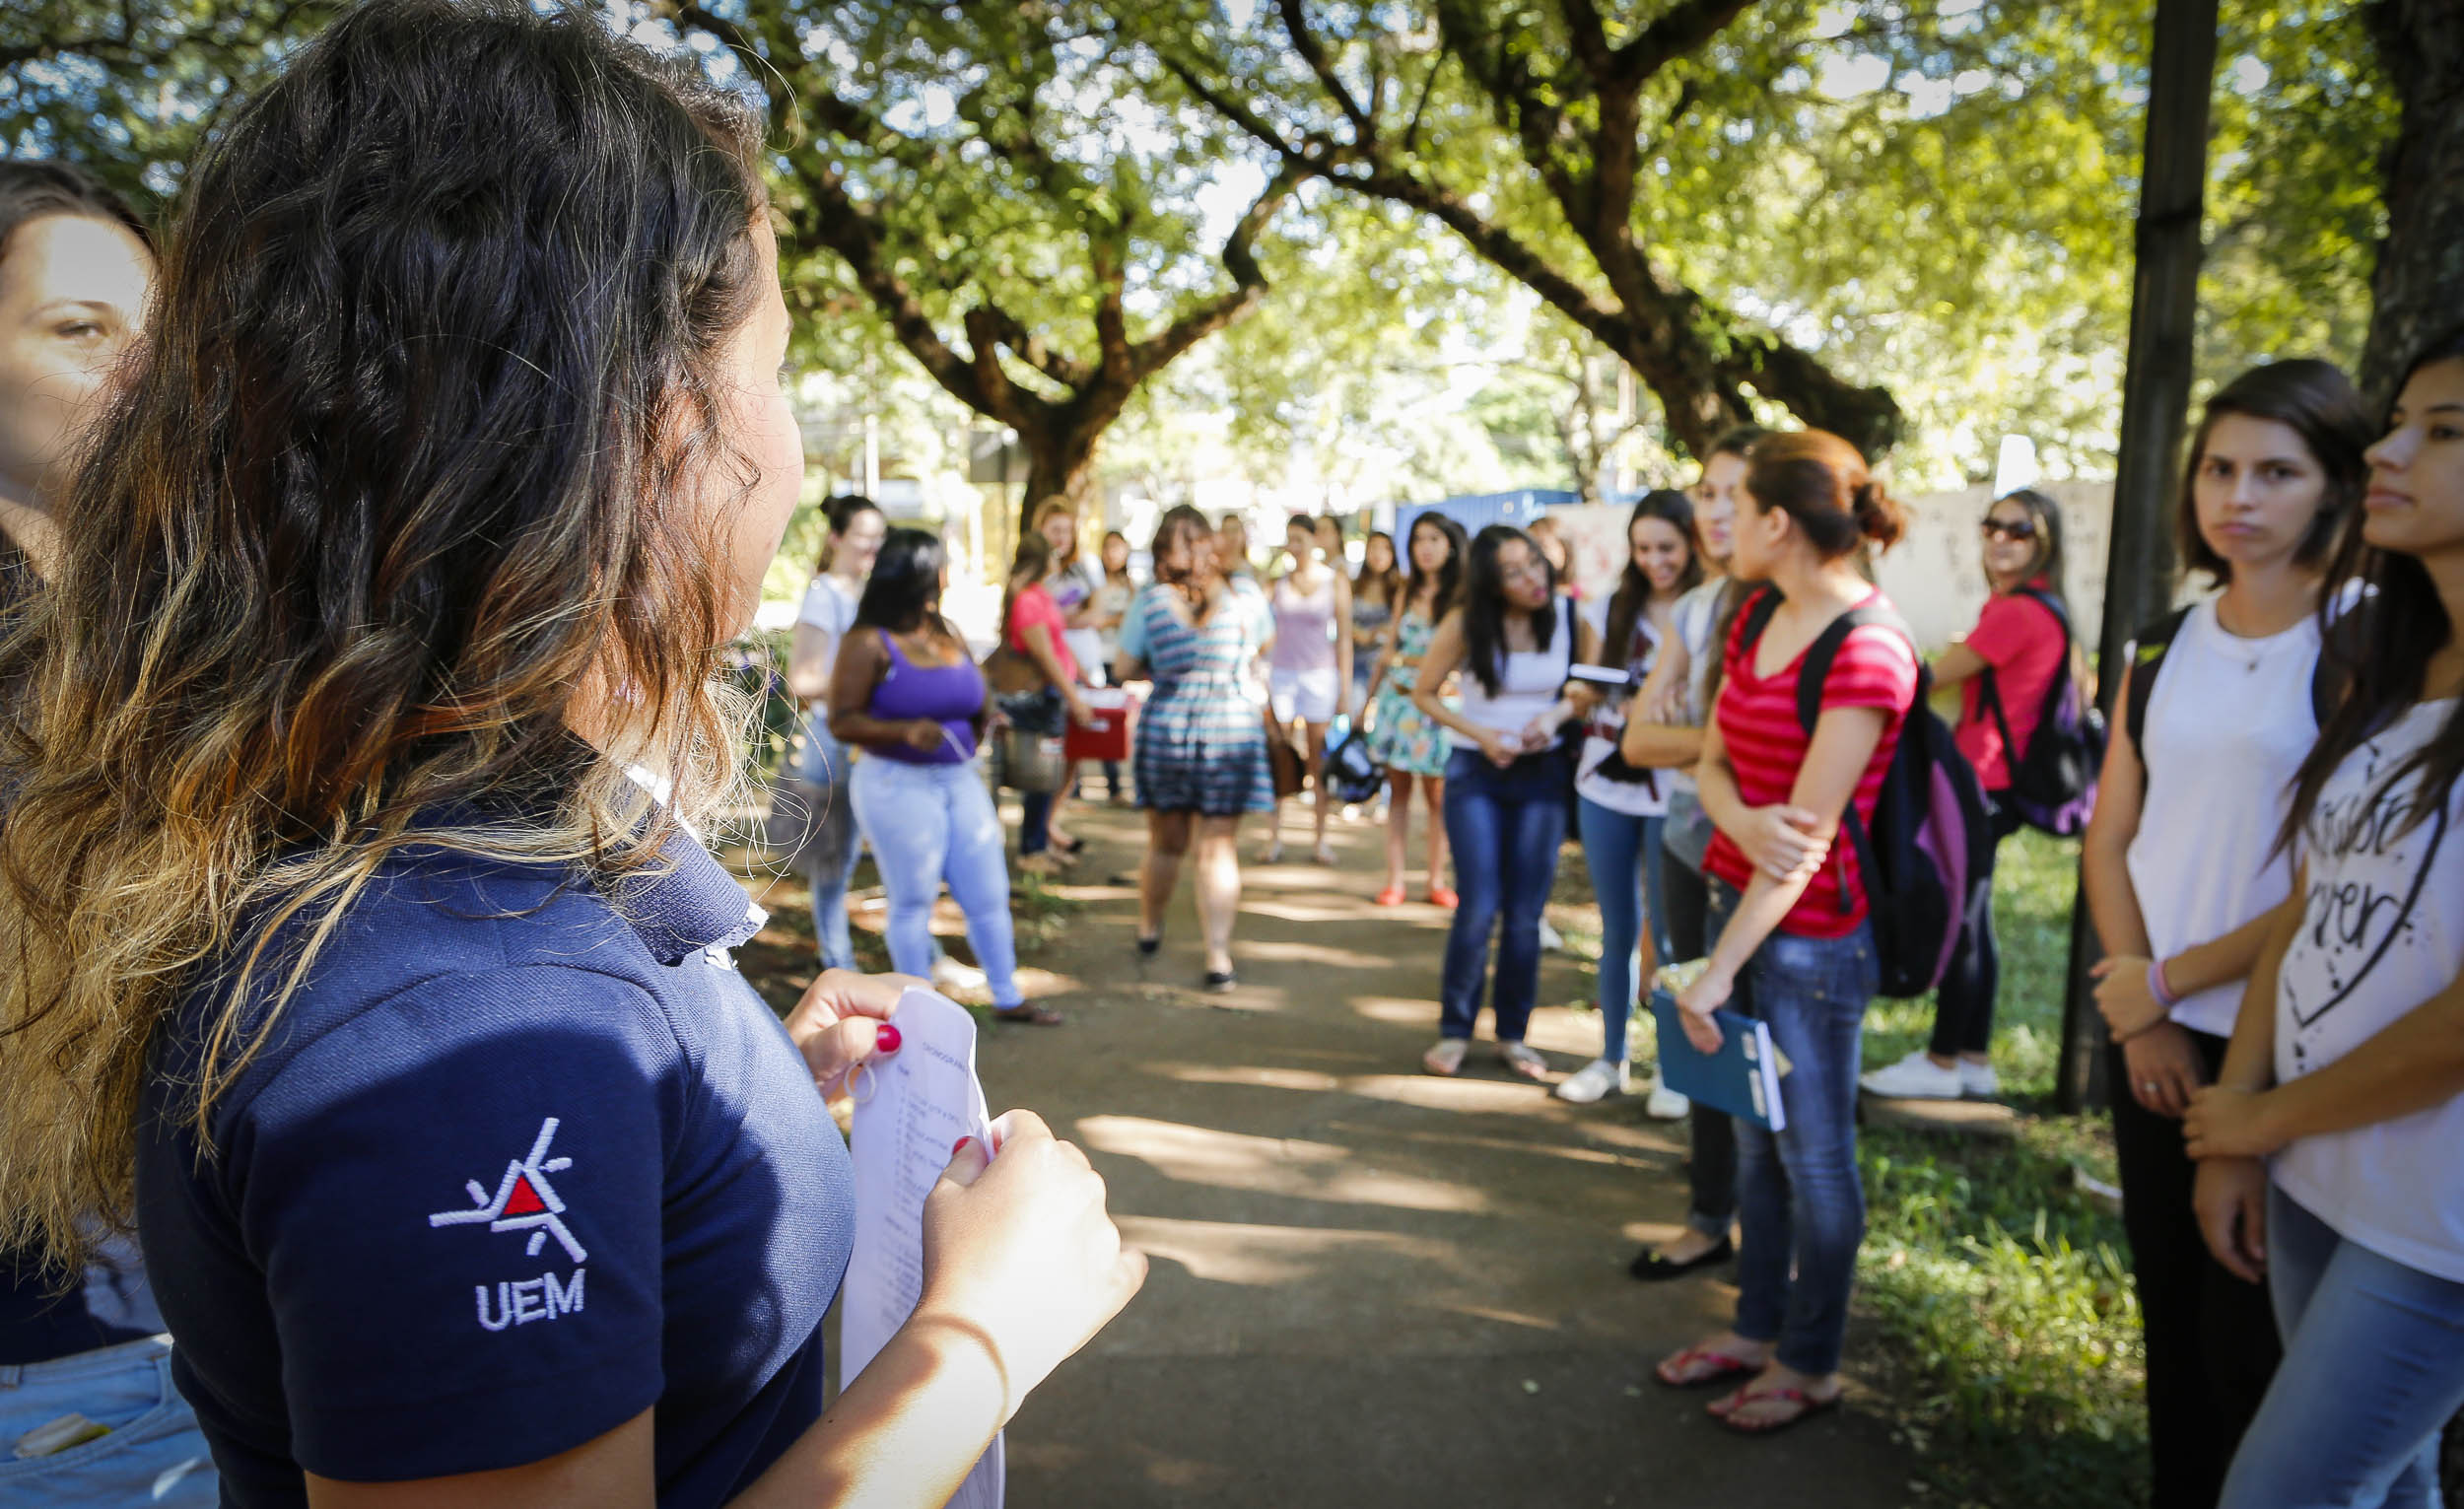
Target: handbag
[
  {"x": 1351, "y": 771},
  {"x": 1285, "y": 764},
  {"x": 1010, "y": 672}
]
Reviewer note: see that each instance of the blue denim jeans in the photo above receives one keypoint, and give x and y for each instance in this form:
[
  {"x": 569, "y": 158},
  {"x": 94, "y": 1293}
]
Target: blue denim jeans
[
  {"x": 2374, "y": 1369},
  {"x": 1623, "y": 854},
  {"x": 1505, "y": 826},
  {"x": 1800, "y": 1204},
  {"x": 827, "y": 858},
  {"x": 929, "y": 824},
  {"x": 154, "y": 1456}
]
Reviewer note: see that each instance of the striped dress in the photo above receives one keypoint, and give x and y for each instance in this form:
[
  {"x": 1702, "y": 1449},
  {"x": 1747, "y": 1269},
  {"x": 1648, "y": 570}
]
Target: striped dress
[{"x": 1201, "y": 743}]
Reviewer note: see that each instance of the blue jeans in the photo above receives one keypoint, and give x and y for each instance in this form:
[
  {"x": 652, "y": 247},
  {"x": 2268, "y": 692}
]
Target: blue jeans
[
  {"x": 1505, "y": 826},
  {"x": 154, "y": 1456},
  {"x": 929, "y": 824},
  {"x": 1800, "y": 1204},
  {"x": 1623, "y": 854},
  {"x": 827, "y": 857},
  {"x": 2374, "y": 1369}
]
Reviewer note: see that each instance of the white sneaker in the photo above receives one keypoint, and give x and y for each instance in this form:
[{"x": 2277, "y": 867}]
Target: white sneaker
[
  {"x": 1551, "y": 943},
  {"x": 950, "y": 975},
  {"x": 1915, "y": 1078},
  {"x": 1664, "y": 1104},
  {"x": 1977, "y": 1081},
  {"x": 1596, "y": 1080}
]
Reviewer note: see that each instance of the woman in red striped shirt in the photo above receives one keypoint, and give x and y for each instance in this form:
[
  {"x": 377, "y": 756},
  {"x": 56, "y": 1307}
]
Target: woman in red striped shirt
[{"x": 1794, "y": 948}]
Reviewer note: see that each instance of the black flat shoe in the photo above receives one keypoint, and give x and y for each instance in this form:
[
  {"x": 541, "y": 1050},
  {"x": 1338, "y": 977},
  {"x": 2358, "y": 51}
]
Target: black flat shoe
[
  {"x": 1221, "y": 980},
  {"x": 1069, "y": 845},
  {"x": 1650, "y": 1267},
  {"x": 1149, "y": 945}
]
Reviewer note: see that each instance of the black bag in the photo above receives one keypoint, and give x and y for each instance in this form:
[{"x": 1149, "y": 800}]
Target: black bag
[
  {"x": 1927, "y": 863},
  {"x": 2053, "y": 781},
  {"x": 1351, "y": 773}
]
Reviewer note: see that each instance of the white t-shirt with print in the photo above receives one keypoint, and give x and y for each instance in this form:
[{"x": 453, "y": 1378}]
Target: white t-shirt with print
[
  {"x": 2382, "y": 930},
  {"x": 1648, "y": 797}
]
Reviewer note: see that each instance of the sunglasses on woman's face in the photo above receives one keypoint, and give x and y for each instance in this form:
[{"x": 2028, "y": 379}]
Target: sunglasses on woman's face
[{"x": 2021, "y": 529}]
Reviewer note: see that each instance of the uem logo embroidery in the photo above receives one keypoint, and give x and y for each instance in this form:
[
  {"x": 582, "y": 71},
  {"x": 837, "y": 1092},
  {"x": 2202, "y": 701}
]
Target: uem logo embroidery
[{"x": 525, "y": 1199}]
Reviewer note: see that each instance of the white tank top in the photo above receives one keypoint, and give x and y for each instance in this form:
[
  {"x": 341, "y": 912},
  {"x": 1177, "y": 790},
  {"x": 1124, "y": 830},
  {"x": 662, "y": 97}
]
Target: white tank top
[
  {"x": 1527, "y": 683},
  {"x": 2228, "y": 725}
]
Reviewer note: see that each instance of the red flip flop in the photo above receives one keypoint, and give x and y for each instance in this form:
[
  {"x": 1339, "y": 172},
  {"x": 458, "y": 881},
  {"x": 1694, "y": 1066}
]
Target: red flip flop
[
  {"x": 1725, "y": 1367},
  {"x": 1807, "y": 1404}
]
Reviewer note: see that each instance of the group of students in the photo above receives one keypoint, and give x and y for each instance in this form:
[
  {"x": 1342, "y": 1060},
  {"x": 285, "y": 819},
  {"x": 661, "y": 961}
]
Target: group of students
[
  {"x": 2265, "y": 863},
  {"x": 368, "y": 549}
]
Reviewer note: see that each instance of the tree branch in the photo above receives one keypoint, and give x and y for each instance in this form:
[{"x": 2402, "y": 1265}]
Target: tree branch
[
  {"x": 1676, "y": 34},
  {"x": 1313, "y": 52}
]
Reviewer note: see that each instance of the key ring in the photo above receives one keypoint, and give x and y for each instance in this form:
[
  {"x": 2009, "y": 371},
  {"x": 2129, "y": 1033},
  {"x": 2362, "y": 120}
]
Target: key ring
[{"x": 863, "y": 1084}]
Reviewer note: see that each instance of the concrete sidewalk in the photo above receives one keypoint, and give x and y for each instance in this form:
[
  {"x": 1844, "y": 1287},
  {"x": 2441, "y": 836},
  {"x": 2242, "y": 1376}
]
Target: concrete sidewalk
[{"x": 1371, "y": 1287}]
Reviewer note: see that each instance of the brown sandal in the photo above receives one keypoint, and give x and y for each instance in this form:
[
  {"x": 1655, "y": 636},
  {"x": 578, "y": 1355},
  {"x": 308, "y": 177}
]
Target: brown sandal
[{"x": 1029, "y": 1015}]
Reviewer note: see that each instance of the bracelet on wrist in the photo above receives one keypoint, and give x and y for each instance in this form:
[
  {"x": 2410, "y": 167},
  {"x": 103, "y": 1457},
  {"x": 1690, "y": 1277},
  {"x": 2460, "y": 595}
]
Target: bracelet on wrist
[{"x": 2157, "y": 988}]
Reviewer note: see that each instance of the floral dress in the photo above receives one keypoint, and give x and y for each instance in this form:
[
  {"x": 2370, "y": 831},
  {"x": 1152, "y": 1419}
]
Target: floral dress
[
  {"x": 1201, "y": 738},
  {"x": 1401, "y": 736}
]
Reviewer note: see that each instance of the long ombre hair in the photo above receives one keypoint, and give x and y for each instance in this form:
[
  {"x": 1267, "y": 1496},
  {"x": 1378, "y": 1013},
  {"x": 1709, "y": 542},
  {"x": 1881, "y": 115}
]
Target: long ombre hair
[{"x": 396, "y": 500}]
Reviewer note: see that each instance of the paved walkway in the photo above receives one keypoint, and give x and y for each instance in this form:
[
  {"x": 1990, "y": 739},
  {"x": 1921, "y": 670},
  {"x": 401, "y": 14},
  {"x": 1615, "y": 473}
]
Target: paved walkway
[{"x": 1370, "y": 1287}]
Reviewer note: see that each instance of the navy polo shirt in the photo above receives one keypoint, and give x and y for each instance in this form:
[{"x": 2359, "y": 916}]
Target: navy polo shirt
[{"x": 516, "y": 1162}]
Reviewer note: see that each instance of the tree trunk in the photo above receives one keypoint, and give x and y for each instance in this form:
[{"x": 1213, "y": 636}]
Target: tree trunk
[
  {"x": 2418, "y": 291},
  {"x": 1060, "y": 463}
]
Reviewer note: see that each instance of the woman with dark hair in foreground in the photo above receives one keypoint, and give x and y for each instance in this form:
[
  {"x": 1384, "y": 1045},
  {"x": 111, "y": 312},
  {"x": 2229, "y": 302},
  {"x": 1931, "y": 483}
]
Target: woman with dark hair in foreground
[{"x": 352, "y": 954}]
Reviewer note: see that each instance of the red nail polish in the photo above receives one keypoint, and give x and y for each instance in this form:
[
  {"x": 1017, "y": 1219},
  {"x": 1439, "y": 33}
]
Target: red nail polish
[
  {"x": 885, "y": 1038},
  {"x": 960, "y": 1146}
]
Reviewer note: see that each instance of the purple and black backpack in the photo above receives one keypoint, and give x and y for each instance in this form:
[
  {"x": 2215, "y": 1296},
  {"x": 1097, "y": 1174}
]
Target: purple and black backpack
[
  {"x": 2053, "y": 781},
  {"x": 1927, "y": 861}
]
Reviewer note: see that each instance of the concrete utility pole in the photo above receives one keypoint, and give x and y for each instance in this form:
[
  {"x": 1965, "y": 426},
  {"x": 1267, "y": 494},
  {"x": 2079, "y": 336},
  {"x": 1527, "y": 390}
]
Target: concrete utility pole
[{"x": 2156, "y": 405}]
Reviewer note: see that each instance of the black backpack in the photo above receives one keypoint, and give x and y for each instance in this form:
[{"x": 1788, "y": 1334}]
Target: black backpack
[
  {"x": 1928, "y": 861},
  {"x": 2150, "y": 646},
  {"x": 2053, "y": 781}
]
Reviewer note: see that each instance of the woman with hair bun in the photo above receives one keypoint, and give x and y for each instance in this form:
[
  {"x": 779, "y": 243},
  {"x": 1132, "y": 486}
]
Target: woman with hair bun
[
  {"x": 831, "y": 842},
  {"x": 360, "y": 947},
  {"x": 1794, "y": 945}
]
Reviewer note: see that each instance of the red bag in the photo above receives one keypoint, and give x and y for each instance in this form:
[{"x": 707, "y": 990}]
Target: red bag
[{"x": 1109, "y": 739}]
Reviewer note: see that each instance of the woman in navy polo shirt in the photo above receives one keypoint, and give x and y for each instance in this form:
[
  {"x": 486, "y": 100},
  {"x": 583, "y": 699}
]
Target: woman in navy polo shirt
[{"x": 351, "y": 954}]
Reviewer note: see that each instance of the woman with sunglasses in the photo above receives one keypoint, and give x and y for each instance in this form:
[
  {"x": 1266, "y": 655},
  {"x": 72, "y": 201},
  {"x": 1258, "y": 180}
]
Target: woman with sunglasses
[{"x": 2020, "y": 644}]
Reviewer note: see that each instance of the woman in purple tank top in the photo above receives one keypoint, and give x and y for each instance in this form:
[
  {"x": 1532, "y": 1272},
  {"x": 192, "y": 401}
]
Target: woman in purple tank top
[{"x": 906, "y": 693}]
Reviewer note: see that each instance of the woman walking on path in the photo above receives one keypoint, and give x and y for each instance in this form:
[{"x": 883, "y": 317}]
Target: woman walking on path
[
  {"x": 827, "y": 855},
  {"x": 1410, "y": 744},
  {"x": 1376, "y": 593},
  {"x": 2327, "y": 1145},
  {"x": 1674, "y": 703},
  {"x": 1032, "y": 624},
  {"x": 2020, "y": 645},
  {"x": 1073, "y": 579},
  {"x": 1310, "y": 671},
  {"x": 1112, "y": 605},
  {"x": 907, "y": 693},
  {"x": 1794, "y": 945},
  {"x": 1618, "y": 805},
  {"x": 1200, "y": 755},
  {"x": 2181, "y": 874},
  {"x": 1516, "y": 640},
  {"x": 409, "y": 542}
]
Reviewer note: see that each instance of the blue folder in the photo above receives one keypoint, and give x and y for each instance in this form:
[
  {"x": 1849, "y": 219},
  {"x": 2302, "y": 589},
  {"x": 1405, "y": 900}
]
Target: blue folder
[{"x": 1743, "y": 1078}]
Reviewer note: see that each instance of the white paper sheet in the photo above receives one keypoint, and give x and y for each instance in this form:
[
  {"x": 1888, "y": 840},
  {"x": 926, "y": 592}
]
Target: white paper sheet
[{"x": 911, "y": 1109}]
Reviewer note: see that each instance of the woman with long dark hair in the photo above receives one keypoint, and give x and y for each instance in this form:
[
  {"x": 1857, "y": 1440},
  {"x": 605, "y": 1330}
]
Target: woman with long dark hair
[
  {"x": 1377, "y": 592},
  {"x": 81, "y": 1344},
  {"x": 2219, "y": 706},
  {"x": 907, "y": 693},
  {"x": 2327, "y": 1145},
  {"x": 1034, "y": 626},
  {"x": 1200, "y": 755},
  {"x": 1310, "y": 670},
  {"x": 1790, "y": 913},
  {"x": 351, "y": 953},
  {"x": 1619, "y": 805},
  {"x": 1515, "y": 641},
  {"x": 828, "y": 840},
  {"x": 1412, "y": 745},
  {"x": 2008, "y": 661}
]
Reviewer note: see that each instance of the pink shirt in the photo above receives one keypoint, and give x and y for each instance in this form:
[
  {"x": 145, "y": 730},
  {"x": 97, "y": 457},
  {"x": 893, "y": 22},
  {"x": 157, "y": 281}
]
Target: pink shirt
[
  {"x": 1034, "y": 606},
  {"x": 2022, "y": 641}
]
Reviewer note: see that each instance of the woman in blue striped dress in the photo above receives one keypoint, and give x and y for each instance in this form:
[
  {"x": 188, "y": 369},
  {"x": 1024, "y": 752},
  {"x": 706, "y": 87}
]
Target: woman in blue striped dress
[{"x": 1201, "y": 756}]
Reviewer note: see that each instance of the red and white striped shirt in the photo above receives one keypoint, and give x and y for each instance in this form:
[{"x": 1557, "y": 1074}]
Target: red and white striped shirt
[{"x": 1876, "y": 669}]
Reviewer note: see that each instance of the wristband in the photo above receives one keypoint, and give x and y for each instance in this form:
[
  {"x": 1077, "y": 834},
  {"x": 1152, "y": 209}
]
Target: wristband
[{"x": 2157, "y": 987}]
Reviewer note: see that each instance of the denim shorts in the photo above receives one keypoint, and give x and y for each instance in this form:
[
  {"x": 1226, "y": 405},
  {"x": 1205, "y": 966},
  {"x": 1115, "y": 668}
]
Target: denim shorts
[{"x": 154, "y": 1456}]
